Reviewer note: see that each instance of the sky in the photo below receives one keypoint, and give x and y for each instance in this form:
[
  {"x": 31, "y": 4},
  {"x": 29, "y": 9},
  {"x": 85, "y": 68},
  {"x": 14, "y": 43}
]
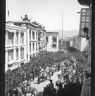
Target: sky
[{"x": 47, "y": 13}]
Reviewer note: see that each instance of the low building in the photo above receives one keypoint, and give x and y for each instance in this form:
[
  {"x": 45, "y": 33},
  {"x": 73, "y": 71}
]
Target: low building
[
  {"x": 64, "y": 44},
  {"x": 15, "y": 46},
  {"x": 52, "y": 41},
  {"x": 74, "y": 41}
]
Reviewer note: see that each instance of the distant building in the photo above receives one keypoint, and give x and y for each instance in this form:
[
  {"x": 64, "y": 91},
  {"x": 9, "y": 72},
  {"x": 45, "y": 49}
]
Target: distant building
[
  {"x": 64, "y": 43},
  {"x": 15, "y": 46},
  {"x": 74, "y": 41},
  {"x": 84, "y": 22},
  {"x": 52, "y": 41}
]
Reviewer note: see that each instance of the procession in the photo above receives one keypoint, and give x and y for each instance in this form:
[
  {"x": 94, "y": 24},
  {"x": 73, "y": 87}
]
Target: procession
[
  {"x": 48, "y": 51},
  {"x": 59, "y": 75}
]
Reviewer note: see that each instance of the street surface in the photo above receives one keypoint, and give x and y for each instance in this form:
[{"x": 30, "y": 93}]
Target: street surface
[{"x": 41, "y": 86}]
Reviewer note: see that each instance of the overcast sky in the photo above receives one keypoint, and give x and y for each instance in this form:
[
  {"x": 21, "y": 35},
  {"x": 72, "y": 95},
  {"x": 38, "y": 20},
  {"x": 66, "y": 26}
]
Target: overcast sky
[{"x": 46, "y": 12}]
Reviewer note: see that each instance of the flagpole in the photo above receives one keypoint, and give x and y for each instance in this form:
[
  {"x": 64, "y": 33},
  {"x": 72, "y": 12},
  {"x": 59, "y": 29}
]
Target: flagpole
[{"x": 62, "y": 25}]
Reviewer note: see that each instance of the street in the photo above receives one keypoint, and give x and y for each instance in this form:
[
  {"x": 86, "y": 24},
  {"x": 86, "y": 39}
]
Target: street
[{"x": 41, "y": 86}]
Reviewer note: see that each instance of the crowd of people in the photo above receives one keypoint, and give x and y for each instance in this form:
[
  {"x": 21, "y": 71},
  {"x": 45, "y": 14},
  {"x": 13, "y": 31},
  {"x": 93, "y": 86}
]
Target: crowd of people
[
  {"x": 23, "y": 89},
  {"x": 69, "y": 82},
  {"x": 69, "y": 89},
  {"x": 16, "y": 77},
  {"x": 30, "y": 71}
]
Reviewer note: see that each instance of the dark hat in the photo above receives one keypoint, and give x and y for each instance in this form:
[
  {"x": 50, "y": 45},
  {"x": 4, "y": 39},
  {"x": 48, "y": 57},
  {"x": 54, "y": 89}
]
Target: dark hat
[{"x": 50, "y": 80}]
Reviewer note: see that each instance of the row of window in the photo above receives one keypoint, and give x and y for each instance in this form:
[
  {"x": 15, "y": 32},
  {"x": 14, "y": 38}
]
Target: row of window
[
  {"x": 85, "y": 19},
  {"x": 85, "y": 12},
  {"x": 40, "y": 45},
  {"x": 54, "y": 39},
  {"x": 53, "y": 45},
  {"x": 32, "y": 45},
  {"x": 32, "y": 35},
  {"x": 11, "y": 54},
  {"x": 12, "y": 39},
  {"x": 84, "y": 25}
]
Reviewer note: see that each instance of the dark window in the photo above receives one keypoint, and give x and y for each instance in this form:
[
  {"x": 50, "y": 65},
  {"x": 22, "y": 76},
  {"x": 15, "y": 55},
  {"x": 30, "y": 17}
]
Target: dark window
[
  {"x": 30, "y": 34},
  {"x": 10, "y": 38},
  {"x": 22, "y": 52},
  {"x": 17, "y": 54},
  {"x": 33, "y": 35},
  {"x": 30, "y": 47},
  {"x": 38, "y": 38},
  {"x": 54, "y": 39},
  {"x": 33, "y": 46},
  {"x": 17, "y": 34},
  {"x": 22, "y": 38},
  {"x": 46, "y": 39},
  {"x": 68, "y": 44},
  {"x": 36, "y": 47},
  {"x": 54, "y": 45},
  {"x": 10, "y": 55}
]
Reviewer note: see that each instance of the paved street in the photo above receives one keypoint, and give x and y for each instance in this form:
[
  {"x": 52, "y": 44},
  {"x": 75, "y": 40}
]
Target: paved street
[{"x": 40, "y": 86}]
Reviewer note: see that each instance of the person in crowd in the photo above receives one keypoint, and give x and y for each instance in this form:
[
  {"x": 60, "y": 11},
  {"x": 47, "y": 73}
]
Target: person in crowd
[
  {"x": 19, "y": 90},
  {"x": 60, "y": 90},
  {"x": 66, "y": 77},
  {"x": 16, "y": 92},
  {"x": 58, "y": 67},
  {"x": 51, "y": 85},
  {"x": 11, "y": 92},
  {"x": 45, "y": 92},
  {"x": 38, "y": 79},
  {"x": 49, "y": 91}
]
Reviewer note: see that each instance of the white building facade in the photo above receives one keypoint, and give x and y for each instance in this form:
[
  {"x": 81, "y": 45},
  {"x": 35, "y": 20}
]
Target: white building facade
[
  {"x": 52, "y": 41},
  {"x": 35, "y": 38},
  {"x": 15, "y": 46}
]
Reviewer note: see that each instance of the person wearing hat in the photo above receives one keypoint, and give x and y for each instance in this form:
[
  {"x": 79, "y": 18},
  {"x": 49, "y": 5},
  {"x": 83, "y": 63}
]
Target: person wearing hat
[
  {"x": 51, "y": 85},
  {"x": 60, "y": 90}
]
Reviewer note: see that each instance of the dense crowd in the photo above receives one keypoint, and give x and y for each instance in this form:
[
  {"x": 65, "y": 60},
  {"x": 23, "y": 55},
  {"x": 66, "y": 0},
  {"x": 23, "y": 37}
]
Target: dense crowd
[
  {"x": 29, "y": 71},
  {"x": 69, "y": 89}
]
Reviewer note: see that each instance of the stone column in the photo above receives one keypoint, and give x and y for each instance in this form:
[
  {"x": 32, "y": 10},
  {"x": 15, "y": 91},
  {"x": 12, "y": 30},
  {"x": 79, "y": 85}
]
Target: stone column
[
  {"x": 14, "y": 38},
  {"x": 35, "y": 35},
  {"x": 19, "y": 37},
  {"x": 19, "y": 53},
  {"x": 14, "y": 53},
  {"x": 35, "y": 46}
]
